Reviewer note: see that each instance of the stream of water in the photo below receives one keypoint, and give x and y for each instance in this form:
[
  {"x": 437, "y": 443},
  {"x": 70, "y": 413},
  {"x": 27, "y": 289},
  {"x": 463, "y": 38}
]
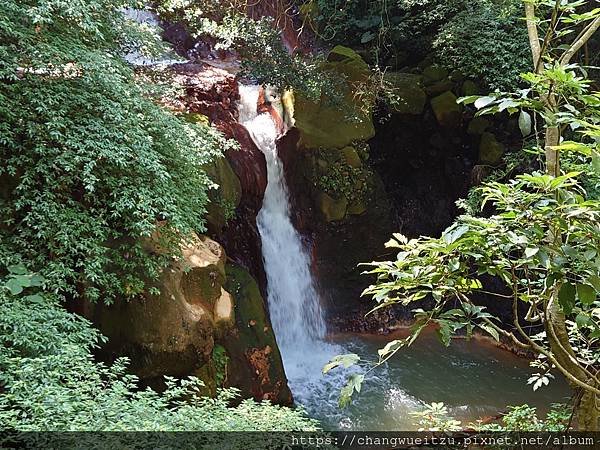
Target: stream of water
[{"x": 475, "y": 380}]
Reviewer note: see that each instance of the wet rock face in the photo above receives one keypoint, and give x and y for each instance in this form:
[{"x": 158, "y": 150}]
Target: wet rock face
[
  {"x": 213, "y": 92},
  {"x": 208, "y": 90},
  {"x": 256, "y": 364}
]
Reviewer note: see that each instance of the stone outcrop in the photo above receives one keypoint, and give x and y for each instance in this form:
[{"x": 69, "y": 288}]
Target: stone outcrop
[
  {"x": 203, "y": 305},
  {"x": 407, "y": 92},
  {"x": 256, "y": 365},
  {"x": 326, "y": 125}
]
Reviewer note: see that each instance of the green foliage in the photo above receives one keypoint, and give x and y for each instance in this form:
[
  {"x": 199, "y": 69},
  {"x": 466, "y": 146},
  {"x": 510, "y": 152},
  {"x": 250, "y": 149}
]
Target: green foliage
[
  {"x": 257, "y": 41},
  {"x": 340, "y": 179},
  {"x": 409, "y": 30},
  {"x": 91, "y": 168},
  {"x": 497, "y": 53},
  {"x": 343, "y": 180},
  {"x": 220, "y": 359},
  {"x": 90, "y": 162},
  {"x": 436, "y": 417},
  {"x": 50, "y": 381}
]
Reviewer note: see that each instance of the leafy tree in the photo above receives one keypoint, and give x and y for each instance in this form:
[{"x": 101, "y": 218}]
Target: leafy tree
[
  {"x": 406, "y": 31},
  {"x": 91, "y": 168},
  {"x": 258, "y": 42},
  {"x": 49, "y": 380},
  {"x": 90, "y": 163},
  {"x": 541, "y": 240}
]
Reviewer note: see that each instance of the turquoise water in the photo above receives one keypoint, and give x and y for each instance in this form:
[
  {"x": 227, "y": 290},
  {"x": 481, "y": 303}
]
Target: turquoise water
[{"x": 473, "y": 378}]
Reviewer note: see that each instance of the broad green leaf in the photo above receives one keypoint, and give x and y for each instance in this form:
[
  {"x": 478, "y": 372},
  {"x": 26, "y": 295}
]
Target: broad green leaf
[
  {"x": 14, "y": 286},
  {"x": 341, "y": 360},
  {"x": 390, "y": 347},
  {"x": 354, "y": 384},
  {"x": 525, "y": 123},
  {"x": 586, "y": 294},
  {"x": 531, "y": 251},
  {"x": 490, "y": 330},
  {"x": 482, "y": 102},
  {"x": 17, "y": 269},
  {"x": 566, "y": 297}
]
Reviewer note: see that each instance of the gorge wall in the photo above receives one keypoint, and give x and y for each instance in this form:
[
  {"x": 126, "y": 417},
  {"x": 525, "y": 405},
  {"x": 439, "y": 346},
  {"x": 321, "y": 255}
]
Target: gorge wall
[{"x": 357, "y": 172}]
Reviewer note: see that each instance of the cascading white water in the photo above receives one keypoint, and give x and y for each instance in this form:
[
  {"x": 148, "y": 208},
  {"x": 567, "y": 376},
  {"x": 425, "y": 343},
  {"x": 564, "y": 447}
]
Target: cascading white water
[
  {"x": 300, "y": 328},
  {"x": 294, "y": 306}
]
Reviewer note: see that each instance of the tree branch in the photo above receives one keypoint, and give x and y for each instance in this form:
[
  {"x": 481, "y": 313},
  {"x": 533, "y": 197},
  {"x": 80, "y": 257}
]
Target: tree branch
[
  {"x": 580, "y": 41},
  {"x": 532, "y": 32}
]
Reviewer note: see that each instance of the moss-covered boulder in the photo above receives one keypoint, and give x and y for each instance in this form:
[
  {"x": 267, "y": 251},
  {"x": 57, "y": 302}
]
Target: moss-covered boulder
[
  {"x": 357, "y": 208},
  {"x": 255, "y": 364},
  {"x": 331, "y": 208},
  {"x": 490, "y": 150},
  {"x": 478, "y": 125},
  {"x": 434, "y": 73},
  {"x": 226, "y": 198},
  {"x": 171, "y": 333},
  {"x": 328, "y": 125},
  {"x": 447, "y": 111},
  {"x": 439, "y": 87},
  {"x": 408, "y": 96},
  {"x": 469, "y": 88},
  {"x": 351, "y": 157}
]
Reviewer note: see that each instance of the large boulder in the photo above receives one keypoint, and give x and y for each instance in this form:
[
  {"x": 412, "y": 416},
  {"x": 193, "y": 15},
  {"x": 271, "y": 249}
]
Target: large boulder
[
  {"x": 207, "y": 319},
  {"x": 226, "y": 197},
  {"x": 408, "y": 94},
  {"x": 446, "y": 110},
  {"x": 434, "y": 73},
  {"x": 255, "y": 362},
  {"x": 332, "y": 209},
  {"x": 171, "y": 333},
  {"x": 329, "y": 125},
  {"x": 490, "y": 150}
]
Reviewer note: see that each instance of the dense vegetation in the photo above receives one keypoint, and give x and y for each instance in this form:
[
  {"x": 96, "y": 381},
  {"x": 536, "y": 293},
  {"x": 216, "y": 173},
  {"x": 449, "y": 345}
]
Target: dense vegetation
[
  {"x": 540, "y": 240},
  {"x": 398, "y": 34},
  {"x": 97, "y": 175},
  {"x": 91, "y": 167}
]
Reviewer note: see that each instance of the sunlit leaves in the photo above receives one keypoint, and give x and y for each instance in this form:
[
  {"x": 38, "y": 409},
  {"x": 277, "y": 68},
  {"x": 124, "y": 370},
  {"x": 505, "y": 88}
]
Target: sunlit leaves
[
  {"x": 341, "y": 360},
  {"x": 353, "y": 385}
]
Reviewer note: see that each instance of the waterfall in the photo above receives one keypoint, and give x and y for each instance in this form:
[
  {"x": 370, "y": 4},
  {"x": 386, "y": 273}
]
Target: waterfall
[{"x": 294, "y": 306}]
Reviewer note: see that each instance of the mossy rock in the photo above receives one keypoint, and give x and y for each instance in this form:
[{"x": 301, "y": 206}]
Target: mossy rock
[
  {"x": 439, "y": 87},
  {"x": 357, "y": 208},
  {"x": 197, "y": 118},
  {"x": 478, "y": 125},
  {"x": 323, "y": 125},
  {"x": 208, "y": 374},
  {"x": 254, "y": 364},
  {"x": 446, "y": 110},
  {"x": 226, "y": 198},
  {"x": 407, "y": 89},
  {"x": 434, "y": 73},
  {"x": 351, "y": 157},
  {"x": 469, "y": 88},
  {"x": 490, "y": 150},
  {"x": 332, "y": 209}
]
